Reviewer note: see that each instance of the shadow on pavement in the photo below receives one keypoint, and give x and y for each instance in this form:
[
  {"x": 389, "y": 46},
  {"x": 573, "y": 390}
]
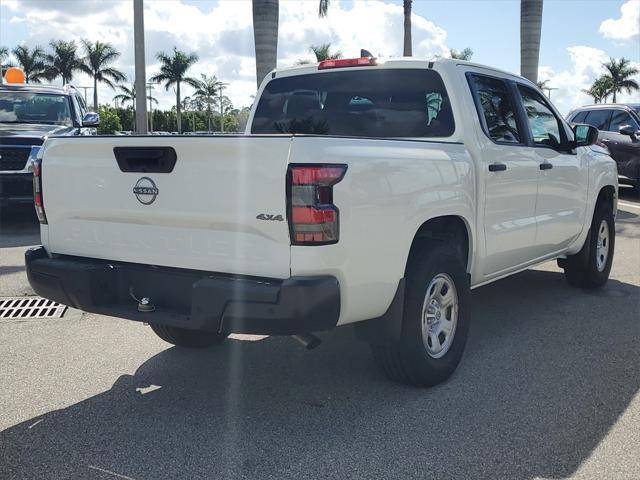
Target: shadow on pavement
[
  {"x": 19, "y": 227},
  {"x": 545, "y": 376}
]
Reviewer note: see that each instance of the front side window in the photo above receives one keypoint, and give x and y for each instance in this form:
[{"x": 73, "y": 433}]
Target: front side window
[
  {"x": 598, "y": 118},
  {"x": 29, "y": 107},
  {"x": 365, "y": 103},
  {"x": 620, "y": 118},
  {"x": 496, "y": 109},
  {"x": 543, "y": 123}
]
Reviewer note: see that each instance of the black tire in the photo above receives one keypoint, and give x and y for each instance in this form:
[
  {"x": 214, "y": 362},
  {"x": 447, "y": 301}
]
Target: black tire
[
  {"x": 183, "y": 337},
  {"x": 409, "y": 361},
  {"x": 581, "y": 270}
]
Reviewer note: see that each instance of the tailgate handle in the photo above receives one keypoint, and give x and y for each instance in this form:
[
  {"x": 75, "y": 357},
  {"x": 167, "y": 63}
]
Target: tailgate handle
[{"x": 145, "y": 159}]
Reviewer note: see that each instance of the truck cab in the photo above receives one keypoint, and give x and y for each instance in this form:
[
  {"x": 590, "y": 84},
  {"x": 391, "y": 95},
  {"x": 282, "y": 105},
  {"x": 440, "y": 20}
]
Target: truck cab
[{"x": 29, "y": 114}]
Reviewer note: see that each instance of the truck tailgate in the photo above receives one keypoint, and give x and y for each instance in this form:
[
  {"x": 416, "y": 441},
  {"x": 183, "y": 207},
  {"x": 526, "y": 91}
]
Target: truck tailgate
[{"x": 200, "y": 215}]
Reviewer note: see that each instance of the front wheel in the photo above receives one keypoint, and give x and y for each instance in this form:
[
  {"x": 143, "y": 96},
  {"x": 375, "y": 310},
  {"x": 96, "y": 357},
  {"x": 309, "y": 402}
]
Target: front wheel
[
  {"x": 183, "y": 337},
  {"x": 435, "y": 323},
  {"x": 590, "y": 267}
]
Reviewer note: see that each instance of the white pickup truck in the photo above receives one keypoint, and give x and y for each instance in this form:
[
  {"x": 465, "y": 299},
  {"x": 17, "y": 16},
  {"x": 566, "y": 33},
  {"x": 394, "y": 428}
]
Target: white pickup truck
[{"x": 364, "y": 193}]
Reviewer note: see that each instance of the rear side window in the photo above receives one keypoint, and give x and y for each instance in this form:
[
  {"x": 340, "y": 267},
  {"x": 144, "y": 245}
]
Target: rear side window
[
  {"x": 579, "y": 117},
  {"x": 496, "y": 109},
  {"x": 598, "y": 118},
  {"x": 620, "y": 118},
  {"x": 362, "y": 103}
]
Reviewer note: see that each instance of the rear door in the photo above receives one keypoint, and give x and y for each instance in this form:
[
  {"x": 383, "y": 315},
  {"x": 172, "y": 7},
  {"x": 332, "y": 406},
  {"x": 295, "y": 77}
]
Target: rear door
[
  {"x": 199, "y": 213},
  {"x": 624, "y": 149},
  {"x": 511, "y": 177}
]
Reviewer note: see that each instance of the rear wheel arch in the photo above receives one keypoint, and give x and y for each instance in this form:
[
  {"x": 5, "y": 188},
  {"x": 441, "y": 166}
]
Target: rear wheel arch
[{"x": 452, "y": 229}]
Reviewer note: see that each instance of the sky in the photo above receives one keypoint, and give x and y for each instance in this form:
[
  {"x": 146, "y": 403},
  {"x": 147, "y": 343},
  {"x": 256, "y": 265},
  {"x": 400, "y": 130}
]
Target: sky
[{"x": 577, "y": 35}]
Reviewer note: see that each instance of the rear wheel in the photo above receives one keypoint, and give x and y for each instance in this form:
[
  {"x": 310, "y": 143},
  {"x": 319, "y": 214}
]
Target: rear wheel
[
  {"x": 590, "y": 267},
  {"x": 435, "y": 323},
  {"x": 183, "y": 337}
]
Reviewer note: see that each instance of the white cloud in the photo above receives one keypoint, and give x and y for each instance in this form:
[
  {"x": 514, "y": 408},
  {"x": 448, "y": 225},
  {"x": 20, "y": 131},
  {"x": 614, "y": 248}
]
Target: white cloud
[
  {"x": 221, "y": 33},
  {"x": 625, "y": 28},
  {"x": 586, "y": 66}
]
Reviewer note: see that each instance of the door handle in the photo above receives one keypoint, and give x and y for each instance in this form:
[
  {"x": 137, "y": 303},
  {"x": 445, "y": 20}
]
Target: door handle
[
  {"x": 497, "y": 167},
  {"x": 546, "y": 166}
]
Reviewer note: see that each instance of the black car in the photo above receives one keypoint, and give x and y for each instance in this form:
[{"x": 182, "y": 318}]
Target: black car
[
  {"x": 619, "y": 126},
  {"x": 28, "y": 114}
]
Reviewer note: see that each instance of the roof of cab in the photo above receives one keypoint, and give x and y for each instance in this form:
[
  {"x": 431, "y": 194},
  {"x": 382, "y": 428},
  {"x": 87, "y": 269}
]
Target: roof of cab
[
  {"x": 37, "y": 88},
  {"x": 396, "y": 62}
]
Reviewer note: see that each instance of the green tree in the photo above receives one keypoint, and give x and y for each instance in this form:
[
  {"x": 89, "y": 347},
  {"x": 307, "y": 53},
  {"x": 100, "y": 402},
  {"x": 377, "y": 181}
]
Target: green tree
[
  {"x": 63, "y": 62},
  {"x": 109, "y": 121},
  {"x": 207, "y": 91},
  {"x": 4, "y": 56},
  {"x": 323, "y": 52},
  {"x": 465, "y": 54},
  {"x": 600, "y": 89},
  {"x": 173, "y": 71},
  {"x": 265, "y": 34},
  {"x": 530, "y": 29},
  {"x": 32, "y": 63},
  {"x": 126, "y": 95},
  {"x": 97, "y": 63},
  {"x": 618, "y": 74}
]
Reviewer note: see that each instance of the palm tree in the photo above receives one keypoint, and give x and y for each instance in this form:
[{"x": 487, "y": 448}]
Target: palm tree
[
  {"x": 224, "y": 106},
  {"x": 99, "y": 57},
  {"x": 619, "y": 73},
  {"x": 323, "y": 52},
  {"x": 600, "y": 89},
  {"x": 407, "y": 51},
  {"x": 465, "y": 54},
  {"x": 4, "y": 55},
  {"x": 31, "y": 62},
  {"x": 127, "y": 95},
  {"x": 173, "y": 71},
  {"x": 530, "y": 28},
  {"x": 63, "y": 62},
  {"x": 206, "y": 91},
  {"x": 265, "y": 34},
  {"x": 323, "y": 9}
]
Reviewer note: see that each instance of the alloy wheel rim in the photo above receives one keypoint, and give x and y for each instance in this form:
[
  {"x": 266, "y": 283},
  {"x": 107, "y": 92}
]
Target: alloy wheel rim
[
  {"x": 439, "y": 315},
  {"x": 602, "y": 246}
]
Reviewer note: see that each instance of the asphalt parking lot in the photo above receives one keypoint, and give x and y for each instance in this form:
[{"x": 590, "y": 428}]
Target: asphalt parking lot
[{"x": 548, "y": 389}]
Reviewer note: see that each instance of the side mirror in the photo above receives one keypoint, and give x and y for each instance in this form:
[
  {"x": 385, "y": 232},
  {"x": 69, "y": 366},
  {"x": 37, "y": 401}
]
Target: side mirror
[
  {"x": 585, "y": 135},
  {"x": 91, "y": 119},
  {"x": 628, "y": 130}
]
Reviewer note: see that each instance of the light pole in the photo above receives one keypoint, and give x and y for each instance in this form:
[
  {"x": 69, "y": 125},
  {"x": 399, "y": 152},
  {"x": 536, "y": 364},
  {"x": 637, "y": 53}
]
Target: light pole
[
  {"x": 150, "y": 87},
  {"x": 85, "y": 93},
  {"x": 548, "y": 89},
  {"x": 221, "y": 86},
  {"x": 140, "y": 82}
]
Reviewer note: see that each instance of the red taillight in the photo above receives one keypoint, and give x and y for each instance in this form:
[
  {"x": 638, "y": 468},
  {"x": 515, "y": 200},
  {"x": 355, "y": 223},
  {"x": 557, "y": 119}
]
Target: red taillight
[
  {"x": 347, "y": 62},
  {"x": 37, "y": 191},
  {"x": 313, "y": 218}
]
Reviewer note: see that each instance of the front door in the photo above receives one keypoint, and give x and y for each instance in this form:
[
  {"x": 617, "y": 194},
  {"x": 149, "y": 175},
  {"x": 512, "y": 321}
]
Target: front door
[{"x": 563, "y": 180}]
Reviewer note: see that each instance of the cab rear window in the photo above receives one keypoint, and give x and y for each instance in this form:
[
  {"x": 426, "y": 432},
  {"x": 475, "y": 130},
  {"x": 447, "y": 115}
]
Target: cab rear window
[{"x": 363, "y": 103}]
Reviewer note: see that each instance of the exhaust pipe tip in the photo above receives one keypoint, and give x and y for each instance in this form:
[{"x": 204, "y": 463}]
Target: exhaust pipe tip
[{"x": 308, "y": 340}]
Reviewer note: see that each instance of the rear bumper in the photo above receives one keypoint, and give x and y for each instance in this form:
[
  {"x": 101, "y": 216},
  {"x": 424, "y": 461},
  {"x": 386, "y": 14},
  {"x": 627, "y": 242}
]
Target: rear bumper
[
  {"x": 16, "y": 188},
  {"x": 187, "y": 298}
]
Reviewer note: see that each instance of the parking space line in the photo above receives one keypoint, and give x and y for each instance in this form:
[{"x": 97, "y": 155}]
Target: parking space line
[
  {"x": 110, "y": 473},
  {"x": 632, "y": 205}
]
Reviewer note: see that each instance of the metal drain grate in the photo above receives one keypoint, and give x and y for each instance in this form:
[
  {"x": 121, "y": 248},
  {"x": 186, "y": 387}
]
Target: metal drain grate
[{"x": 29, "y": 307}]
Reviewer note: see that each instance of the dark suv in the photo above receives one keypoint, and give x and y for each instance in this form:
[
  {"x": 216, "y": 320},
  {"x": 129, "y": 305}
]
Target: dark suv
[
  {"x": 619, "y": 126},
  {"x": 28, "y": 114}
]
